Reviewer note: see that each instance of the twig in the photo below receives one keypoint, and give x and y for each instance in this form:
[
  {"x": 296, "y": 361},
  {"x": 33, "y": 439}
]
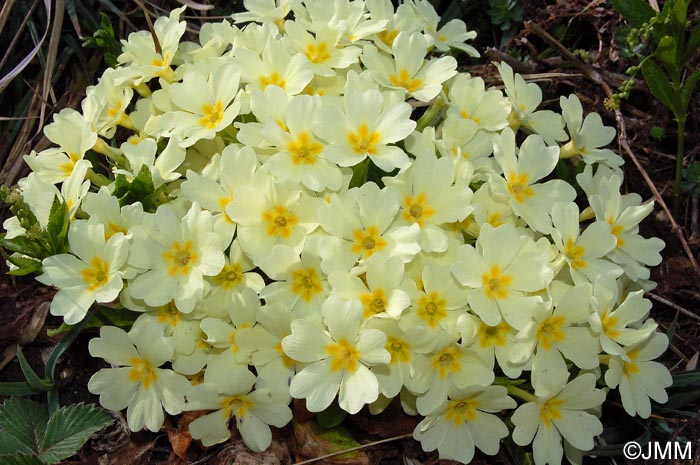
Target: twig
[
  {"x": 147, "y": 15},
  {"x": 674, "y": 306},
  {"x": 352, "y": 449},
  {"x": 596, "y": 77}
]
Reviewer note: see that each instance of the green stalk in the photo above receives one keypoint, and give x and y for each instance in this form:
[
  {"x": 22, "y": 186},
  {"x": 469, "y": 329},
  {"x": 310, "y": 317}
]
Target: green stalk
[
  {"x": 680, "y": 150},
  {"x": 521, "y": 394},
  {"x": 430, "y": 114}
]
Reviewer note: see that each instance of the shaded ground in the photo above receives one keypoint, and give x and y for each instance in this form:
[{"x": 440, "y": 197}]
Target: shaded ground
[{"x": 588, "y": 26}]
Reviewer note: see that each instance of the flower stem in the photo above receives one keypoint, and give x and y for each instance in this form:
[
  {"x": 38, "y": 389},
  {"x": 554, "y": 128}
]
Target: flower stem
[
  {"x": 680, "y": 150},
  {"x": 521, "y": 394},
  {"x": 430, "y": 114}
]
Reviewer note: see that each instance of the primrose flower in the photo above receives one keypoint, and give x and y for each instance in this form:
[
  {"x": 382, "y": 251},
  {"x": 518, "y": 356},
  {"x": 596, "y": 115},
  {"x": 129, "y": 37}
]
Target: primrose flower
[
  {"x": 204, "y": 102},
  {"x": 582, "y": 252},
  {"x": 500, "y": 271},
  {"x": 140, "y": 55},
  {"x": 93, "y": 274},
  {"x": 300, "y": 155},
  {"x": 619, "y": 324},
  {"x": 300, "y": 283},
  {"x": 525, "y": 98},
  {"x": 587, "y": 135},
  {"x": 466, "y": 420},
  {"x": 177, "y": 254},
  {"x": 556, "y": 334},
  {"x": 361, "y": 223},
  {"x": 104, "y": 209},
  {"x": 142, "y": 153},
  {"x": 264, "y": 11},
  {"x": 137, "y": 384},
  {"x": 270, "y": 213},
  {"x": 380, "y": 292},
  {"x": 227, "y": 391},
  {"x": 431, "y": 199},
  {"x": 364, "y": 129},
  {"x": 638, "y": 378},
  {"x": 408, "y": 69},
  {"x": 454, "y": 34},
  {"x": 74, "y": 137},
  {"x": 448, "y": 365},
  {"x": 322, "y": 50},
  {"x": 531, "y": 201},
  {"x": 491, "y": 343},
  {"x": 469, "y": 100},
  {"x": 562, "y": 414},
  {"x": 337, "y": 359}
]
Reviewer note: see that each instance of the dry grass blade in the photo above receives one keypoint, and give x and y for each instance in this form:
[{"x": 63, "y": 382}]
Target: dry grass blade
[
  {"x": 5, "y": 80},
  {"x": 147, "y": 15},
  {"x": 674, "y": 306},
  {"x": 55, "y": 40},
  {"x": 17, "y": 35},
  {"x": 5, "y": 13},
  {"x": 195, "y": 5},
  {"x": 352, "y": 449}
]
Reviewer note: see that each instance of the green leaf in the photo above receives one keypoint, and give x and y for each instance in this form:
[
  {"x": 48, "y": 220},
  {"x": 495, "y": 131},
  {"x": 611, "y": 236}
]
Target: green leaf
[
  {"x": 25, "y": 421},
  {"x": 659, "y": 84},
  {"x": 26, "y": 265},
  {"x": 331, "y": 417},
  {"x": 21, "y": 460},
  {"x": 29, "y": 373},
  {"x": 666, "y": 51},
  {"x": 688, "y": 89},
  {"x": 636, "y": 12},
  {"x": 119, "y": 317},
  {"x": 686, "y": 379},
  {"x": 359, "y": 173},
  {"x": 68, "y": 429},
  {"x": 140, "y": 189},
  {"x": 20, "y": 388},
  {"x": 22, "y": 245},
  {"x": 64, "y": 343},
  {"x": 57, "y": 227},
  {"x": 693, "y": 43}
]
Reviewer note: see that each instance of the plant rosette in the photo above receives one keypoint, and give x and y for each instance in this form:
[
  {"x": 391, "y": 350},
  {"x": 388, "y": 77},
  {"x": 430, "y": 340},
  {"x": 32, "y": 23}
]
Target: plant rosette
[{"x": 311, "y": 202}]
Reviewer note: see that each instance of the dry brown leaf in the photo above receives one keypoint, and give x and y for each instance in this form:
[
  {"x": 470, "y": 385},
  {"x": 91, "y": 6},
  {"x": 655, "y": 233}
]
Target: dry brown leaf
[
  {"x": 315, "y": 441},
  {"x": 239, "y": 454},
  {"x": 180, "y": 438},
  {"x": 131, "y": 453}
]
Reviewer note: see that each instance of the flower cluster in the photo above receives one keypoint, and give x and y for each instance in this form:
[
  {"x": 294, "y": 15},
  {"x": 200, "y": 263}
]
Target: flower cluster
[{"x": 267, "y": 200}]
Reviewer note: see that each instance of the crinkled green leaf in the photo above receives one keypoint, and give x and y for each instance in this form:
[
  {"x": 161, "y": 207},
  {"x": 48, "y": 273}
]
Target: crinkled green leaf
[
  {"x": 25, "y": 265},
  {"x": 57, "y": 227},
  {"x": 24, "y": 420},
  {"x": 68, "y": 429},
  {"x": 22, "y": 245}
]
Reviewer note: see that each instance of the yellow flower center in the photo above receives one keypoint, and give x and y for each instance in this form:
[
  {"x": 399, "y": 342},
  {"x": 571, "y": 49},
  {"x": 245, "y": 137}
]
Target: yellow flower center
[
  {"x": 398, "y": 348},
  {"x": 550, "y": 411},
  {"x": 404, "y": 80},
  {"x": 609, "y": 325},
  {"x": 447, "y": 361},
  {"x": 303, "y": 150},
  {"x": 575, "y": 254},
  {"x": 388, "y": 36},
  {"x": 496, "y": 283},
  {"x": 363, "y": 141},
  {"x": 67, "y": 167},
  {"x": 273, "y": 79},
  {"x": 317, "y": 53},
  {"x": 368, "y": 241},
  {"x": 431, "y": 309},
  {"x": 230, "y": 276},
  {"x": 168, "y": 314},
  {"x": 112, "y": 229},
  {"x": 97, "y": 274},
  {"x": 286, "y": 360},
  {"x": 416, "y": 209},
  {"x": 518, "y": 187},
  {"x": 344, "y": 356},
  {"x": 212, "y": 115},
  {"x": 180, "y": 258},
  {"x": 374, "y": 302},
  {"x": 142, "y": 371},
  {"x": 630, "y": 368},
  {"x": 550, "y": 331},
  {"x": 306, "y": 283},
  {"x": 616, "y": 230},
  {"x": 279, "y": 221},
  {"x": 461, "y": 411},
  {"x": 490, "y": 336},
  {"x": 237, "y": 405}
]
